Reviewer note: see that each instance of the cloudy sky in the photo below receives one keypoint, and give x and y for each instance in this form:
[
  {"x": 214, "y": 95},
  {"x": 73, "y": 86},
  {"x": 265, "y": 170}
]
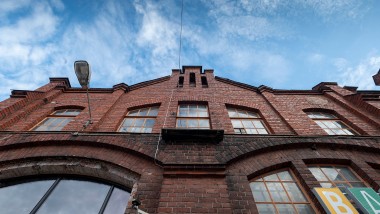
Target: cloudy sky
[{"x": 282, "y": 44}]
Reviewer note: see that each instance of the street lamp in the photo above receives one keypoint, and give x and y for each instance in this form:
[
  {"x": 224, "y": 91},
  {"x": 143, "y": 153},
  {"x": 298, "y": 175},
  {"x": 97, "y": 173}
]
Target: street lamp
[{"x": 82, "y": 70}]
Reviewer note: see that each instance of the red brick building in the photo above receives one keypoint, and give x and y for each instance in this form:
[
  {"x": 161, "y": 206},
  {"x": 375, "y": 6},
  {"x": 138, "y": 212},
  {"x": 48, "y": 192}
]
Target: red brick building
[{"x": 190, "y": 142}]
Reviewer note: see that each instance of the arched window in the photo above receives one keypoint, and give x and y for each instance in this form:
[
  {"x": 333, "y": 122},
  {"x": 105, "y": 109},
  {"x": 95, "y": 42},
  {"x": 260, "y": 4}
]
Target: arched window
[
  {"x": 280, "y": 193},
  {"x": 62, "y": 195},
  {"x": 140, "y": 120},
  {"x": 330, "y": 123},
  {"x": 57, "y": 120},
  {"x": 246, "y": 122},
  {"x": 336, "y": 176}
]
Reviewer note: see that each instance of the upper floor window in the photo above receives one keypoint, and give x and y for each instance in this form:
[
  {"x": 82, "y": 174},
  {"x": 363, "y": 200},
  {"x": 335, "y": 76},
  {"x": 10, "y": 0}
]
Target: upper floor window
[
  {"x": 330, "y": 123},
  {"x": 62, "y": 195},
  {"x": 279, "y": 192},
  {"x": 246, "y": 122},
  {"x": 336, "y": 176},
  {"x": 140, "y": 120},
  {"x": 57, "y": 120},
  {"x": 193, "y": 116}
]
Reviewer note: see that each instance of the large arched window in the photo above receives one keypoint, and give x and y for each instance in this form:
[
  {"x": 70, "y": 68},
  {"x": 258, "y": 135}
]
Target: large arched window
[
  {"x": 280, "y": 193},
  {"x": 57, "y": 120},
  {"x": 330, "y": 123},
  {"x": 336, "y": 176},
  {"x": 64, "y": 196},
  {"x": 246, "y": 122},
  {"x": 140, "y": 120}
]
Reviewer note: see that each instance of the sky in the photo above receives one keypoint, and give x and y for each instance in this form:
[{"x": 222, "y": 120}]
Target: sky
[{"x": 281, "y": 44}]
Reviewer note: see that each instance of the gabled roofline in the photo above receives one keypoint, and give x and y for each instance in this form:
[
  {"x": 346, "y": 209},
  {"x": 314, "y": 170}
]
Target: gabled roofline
[{"x": 238, "y": 84}]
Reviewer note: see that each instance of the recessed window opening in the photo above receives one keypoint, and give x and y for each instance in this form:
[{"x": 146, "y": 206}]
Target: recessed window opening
[
  {"x": 192, "y": 79},
  {"x": 140, "y": 120},
  {"x": 180, "y": 81},
  {"x": 63, "y": 195},
  {"x": 246, "y": 122},
  {"x": 193, "y": 116},
  {"x": 204, "y": 82},
  {"x": 279, "y": 192},
  {"x": 57, "y": 120},
  {"x": 330, "y": 123}
]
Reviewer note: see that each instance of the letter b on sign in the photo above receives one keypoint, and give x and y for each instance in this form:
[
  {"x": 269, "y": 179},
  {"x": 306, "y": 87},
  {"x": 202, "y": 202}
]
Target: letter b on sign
[{"x": 333, "y": 201}]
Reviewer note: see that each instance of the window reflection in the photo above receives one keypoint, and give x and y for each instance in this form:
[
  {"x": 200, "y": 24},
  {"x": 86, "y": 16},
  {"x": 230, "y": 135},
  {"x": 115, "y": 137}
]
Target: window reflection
[{"x": 63, "y": 196}]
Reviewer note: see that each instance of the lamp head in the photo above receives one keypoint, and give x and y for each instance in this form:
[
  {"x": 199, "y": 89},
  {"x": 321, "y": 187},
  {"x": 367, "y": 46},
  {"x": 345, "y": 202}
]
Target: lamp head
[{"x": 82, "y": 70}]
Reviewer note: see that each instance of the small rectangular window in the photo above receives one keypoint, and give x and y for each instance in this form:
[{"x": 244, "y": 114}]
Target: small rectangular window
[
  {"x": 180, "y": 82},
  {"x": 192, "y": 79},
  {"x": 204, "y": 82}
]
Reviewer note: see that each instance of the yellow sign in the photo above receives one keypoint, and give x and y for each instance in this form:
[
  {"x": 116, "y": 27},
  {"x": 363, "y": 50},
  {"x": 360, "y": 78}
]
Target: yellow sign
[{"x": 334, "y": 201}]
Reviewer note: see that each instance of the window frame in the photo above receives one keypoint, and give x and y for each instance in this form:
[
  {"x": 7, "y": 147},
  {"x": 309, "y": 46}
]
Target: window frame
[
  {"x": 145, "y": 117},
  {"x": 334, "y": 119},
  {"x": 53, "y": 115},
  {"x": 258, "y": 118},
  {"x": 260, "y": 178},
  {"x": 178, "y": 117}
]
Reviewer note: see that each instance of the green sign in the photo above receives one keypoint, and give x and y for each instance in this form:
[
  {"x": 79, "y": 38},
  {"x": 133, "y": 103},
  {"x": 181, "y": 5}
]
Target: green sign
[{"x": 367, "y": 199}]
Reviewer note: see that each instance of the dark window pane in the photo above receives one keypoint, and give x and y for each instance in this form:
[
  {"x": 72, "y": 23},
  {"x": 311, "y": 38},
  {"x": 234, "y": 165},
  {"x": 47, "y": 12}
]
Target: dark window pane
[
  {"x": 143, "y": 112},
  {"x": 153, "y": 111},
  {"x": 118, "y": 202},
  {"x": 22, "y": 198},
  {"x": 304, "y": 209},
  {"x": 149, "y": 123},
  {"x": 72, "y": 196}
]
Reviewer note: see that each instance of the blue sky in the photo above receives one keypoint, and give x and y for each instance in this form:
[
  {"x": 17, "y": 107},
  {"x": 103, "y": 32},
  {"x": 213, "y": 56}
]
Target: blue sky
[{"x": 282, "y": 44}]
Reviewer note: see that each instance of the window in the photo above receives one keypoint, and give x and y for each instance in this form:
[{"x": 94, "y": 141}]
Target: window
[
  {"x": 330, "y": 123},
  {"x": 279, "y": 193},
  {"x": 62, "y": 195},
  {"x": 57, "y": 120},
  {"x": 204, "y": 82},
  {"x": 336, "y": 176},
  {"x": 192, "y": 79},
  {"x": 180, "y": 82},
  {"x": 193, "y": 116},
  {"x": 140, "y": 120},
  {"x": 246, "y": 122}
]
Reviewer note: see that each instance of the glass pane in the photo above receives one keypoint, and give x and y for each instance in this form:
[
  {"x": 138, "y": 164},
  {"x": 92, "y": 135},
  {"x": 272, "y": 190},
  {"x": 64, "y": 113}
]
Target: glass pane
[
  {"x": 139, "y": 122},
  {"x": 260, "y": 193},
  {"x": 143, "y": 112},
  {"x": 182, "y": 113},
  {"x": 22, "y": 198},
  {"x": 236, "y": 124},
  {"x": 321, "y": 124},
  {"x": 72, "y": 196},
  {"x": 118, "y": 202},
  {"x": 202, "y": 107},
  {"x": 133, "y": 113},
  {"x": 272, "y": 177},
  {"x": 232, "y": 113},
  {"x": 327, "y": 185},
  {"x": 149, "y": 123},
  {"x": 277, "y": 192},
  {"x": 247, "y": 124},
  {"x": 332, "y": 174},
  {"x": 181, "y": 123},
  {"x": 318, "y": 174},
  {"x": 266, "y": 208},
  {"x": 204, "y": 123},
  {"x": 304, "y": 209},
  {"x": 203, "y": 114},
  {"x": 153, "y": 111},
  {"x": 347, "y": 173},
  {"x": 285, "y": 176},
  {"x": 192, "y": 112},
  {"x": 294, "y": 192},
  {"x": 339, "y": 132},
  {"x": 285, "y": 209},
  {"x": 258, "y": 124},
  {"x": 128, "y": 122},
  {"x": 147, "y": 130},
  {"x": 252, "y": 114},
  {"x": 262, "y": 131},
  {"x": 242, "y": 113},
  {"x": 192, "y": 123},
  {"x": 251, "y": 131}
]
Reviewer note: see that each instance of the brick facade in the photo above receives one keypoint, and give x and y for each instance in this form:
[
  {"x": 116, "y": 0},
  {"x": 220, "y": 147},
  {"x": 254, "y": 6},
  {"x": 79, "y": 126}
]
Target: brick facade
[{"x": 187, "y": 175}]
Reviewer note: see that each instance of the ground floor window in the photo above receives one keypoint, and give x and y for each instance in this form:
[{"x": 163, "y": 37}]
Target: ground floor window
[
  {"x": 64, "y": 196},
  {"x": 279, "y": 192}
]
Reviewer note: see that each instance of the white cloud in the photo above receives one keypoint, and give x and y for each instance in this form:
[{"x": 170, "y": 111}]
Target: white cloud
[
  {"x": 361, "y": 74},
  {"x": 8, "y": 6}
]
